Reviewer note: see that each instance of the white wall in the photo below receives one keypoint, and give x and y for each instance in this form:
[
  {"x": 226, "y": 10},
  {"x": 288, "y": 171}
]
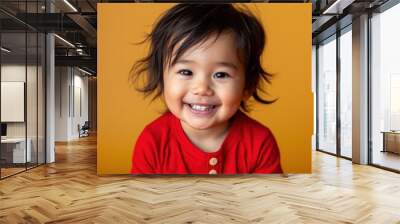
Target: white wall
[
  {"x": 62, "y": 78},
  {"x": 81, "y": 103},
  {"x": 71, "y": 94}
]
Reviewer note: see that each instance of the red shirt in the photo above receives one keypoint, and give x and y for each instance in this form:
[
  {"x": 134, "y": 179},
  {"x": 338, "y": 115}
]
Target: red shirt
[{"x": 164, "y": 148}]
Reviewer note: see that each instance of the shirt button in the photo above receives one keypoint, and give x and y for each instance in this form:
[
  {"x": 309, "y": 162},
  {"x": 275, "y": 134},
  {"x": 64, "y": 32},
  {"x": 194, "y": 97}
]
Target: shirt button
[
  {"x": 213, "y": 161},
  {"x": 212, "y": 172}
]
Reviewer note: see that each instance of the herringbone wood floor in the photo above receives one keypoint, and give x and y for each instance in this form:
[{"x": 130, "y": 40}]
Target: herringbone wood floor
[{"x": 69, "y": 191}]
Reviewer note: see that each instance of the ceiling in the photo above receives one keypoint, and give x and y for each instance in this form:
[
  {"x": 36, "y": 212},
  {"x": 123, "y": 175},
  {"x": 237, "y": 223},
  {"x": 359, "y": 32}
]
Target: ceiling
[{"x": 76, "y": 22}]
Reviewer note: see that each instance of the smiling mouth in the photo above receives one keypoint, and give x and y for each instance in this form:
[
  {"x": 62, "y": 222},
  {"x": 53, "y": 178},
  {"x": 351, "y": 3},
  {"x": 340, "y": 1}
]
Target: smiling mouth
[{"x": 201, "y": 108}]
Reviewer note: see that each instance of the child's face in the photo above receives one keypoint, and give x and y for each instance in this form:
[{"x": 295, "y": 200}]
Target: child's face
[{"x": 206, "y": 85}]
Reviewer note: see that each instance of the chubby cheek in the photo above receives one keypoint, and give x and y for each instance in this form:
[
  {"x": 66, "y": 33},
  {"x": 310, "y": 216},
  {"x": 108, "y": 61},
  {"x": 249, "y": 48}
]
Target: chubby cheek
[
  {"x": 173, "y": 95},
  {"x": 231, "y": 99}
]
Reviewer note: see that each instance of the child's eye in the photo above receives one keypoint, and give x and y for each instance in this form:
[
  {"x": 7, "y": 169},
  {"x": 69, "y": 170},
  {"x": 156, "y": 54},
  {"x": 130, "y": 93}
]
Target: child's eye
[
  {"x": 221, "y": 75},
  {"x": 185, "y": 72}
]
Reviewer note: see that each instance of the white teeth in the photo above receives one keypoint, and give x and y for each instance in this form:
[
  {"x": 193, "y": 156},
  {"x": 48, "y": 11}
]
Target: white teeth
[{"x": 201, "y": 107}]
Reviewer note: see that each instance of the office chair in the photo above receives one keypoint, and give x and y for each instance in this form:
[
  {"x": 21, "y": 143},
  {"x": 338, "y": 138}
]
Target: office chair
[{"x": 84, "y": 130}]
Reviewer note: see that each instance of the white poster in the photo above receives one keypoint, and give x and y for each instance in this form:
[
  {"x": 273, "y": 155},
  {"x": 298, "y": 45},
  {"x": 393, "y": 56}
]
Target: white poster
[{"x": 12, "y": 101}]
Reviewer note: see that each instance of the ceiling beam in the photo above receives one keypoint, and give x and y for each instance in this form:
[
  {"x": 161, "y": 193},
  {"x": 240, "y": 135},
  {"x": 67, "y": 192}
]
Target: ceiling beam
[
  {"x": 85, "y": 61},
  {"x": 83, "y": 23}
]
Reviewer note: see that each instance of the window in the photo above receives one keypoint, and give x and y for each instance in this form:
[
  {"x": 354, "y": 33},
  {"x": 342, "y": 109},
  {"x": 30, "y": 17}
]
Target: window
[
  {"x": 327, "y": 95},
  {"x": 346, "y": 93},
  {"x": 385, "y": 88}
]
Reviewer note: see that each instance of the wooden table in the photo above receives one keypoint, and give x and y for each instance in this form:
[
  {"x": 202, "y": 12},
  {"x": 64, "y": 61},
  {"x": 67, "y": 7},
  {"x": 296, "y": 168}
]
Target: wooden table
[
  {"x": 13, "y": 150},
  {"x": 391, "y": 141}
]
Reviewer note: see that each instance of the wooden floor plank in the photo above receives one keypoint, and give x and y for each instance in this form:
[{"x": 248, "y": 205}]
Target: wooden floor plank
[{"x": 69, "y": 191}]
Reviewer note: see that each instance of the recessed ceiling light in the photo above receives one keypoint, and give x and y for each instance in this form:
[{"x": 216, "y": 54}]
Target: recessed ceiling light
[
  {"x": 5, "y": 50},
  {"x": 70, "y": 5},
  {"x": 84, "y": 71},
  {"x": 64, "y": 40},
  {"x": 337, "y": 7}
]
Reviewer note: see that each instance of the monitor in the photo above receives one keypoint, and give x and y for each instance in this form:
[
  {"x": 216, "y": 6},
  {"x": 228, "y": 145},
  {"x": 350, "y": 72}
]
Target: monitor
[{"x": 3, "y": 129}]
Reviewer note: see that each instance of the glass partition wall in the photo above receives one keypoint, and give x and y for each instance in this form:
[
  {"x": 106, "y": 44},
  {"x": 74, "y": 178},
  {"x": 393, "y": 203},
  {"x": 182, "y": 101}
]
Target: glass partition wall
[
  {"x": 13, "y": 91},
  {"x": 22, "y": 88},
  {"x": 385, "y": 89},
  {"x": 334, "y": 93}
]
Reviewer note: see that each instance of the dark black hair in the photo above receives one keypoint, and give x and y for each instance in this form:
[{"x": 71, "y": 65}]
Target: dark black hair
[{"x": 188, "y": 24}]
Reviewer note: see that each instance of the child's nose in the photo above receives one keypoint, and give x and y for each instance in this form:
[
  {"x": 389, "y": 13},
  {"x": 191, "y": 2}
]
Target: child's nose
[{"x": 202, "y": 88}]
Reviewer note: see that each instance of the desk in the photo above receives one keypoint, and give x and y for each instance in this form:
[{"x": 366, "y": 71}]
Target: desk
[
  {"x": 16, "y": 148},
  {"x": 391, "y": 141}
]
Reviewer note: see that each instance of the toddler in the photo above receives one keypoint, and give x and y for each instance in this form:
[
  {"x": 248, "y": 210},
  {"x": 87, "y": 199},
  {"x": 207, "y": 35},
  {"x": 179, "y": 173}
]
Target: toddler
[{"x": 204, "y": 62}]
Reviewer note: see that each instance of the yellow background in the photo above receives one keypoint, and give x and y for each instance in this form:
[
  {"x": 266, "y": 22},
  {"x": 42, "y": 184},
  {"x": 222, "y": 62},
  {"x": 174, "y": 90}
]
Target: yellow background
[{"x": 122, "y": 112}]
